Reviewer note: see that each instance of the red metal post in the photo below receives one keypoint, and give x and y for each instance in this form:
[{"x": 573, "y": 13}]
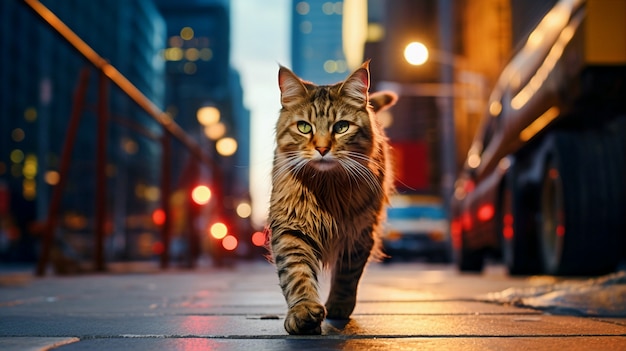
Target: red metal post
[
  {"x": 66, "y": 154},
  {"x": 100, "y": 191}
]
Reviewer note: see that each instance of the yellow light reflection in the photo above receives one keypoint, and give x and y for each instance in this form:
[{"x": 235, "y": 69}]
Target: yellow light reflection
[
  {"x": 375, "y": 32},
  {"x": 538, "y": 124},
  {"x": 244, "y": 210},
  {"x": 555, "y": 18},
  {"x": 17, "y": 156},
  {"x": 208, "y": 115},
  {"x": 206, "y": 54},
  {"x": 218, "y": 230},
  {"x": 17, "y": 134},
  {"x": 173, "y": 54},
  {"x": 190, "y": 68},
  {"x": 29, "y": 189},
  {"x": 495, "y": 108},
  {"x": 30, "y": 114},
  {"x": 192, "y": 54},
  {"x": 30, "y": 167},
  {"x": 215, "y": 131},
  {"x": 176, "y": 41},
  {"x": 226, "y": 146},
  {"x": 303, "y": 8},
  {"x": 186, "y": 33},
  {"x": 52, "y": 177}
]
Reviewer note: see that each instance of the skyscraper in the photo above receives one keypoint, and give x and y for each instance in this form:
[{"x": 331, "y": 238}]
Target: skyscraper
[
  {"x": 316, "y": 44},
  {"x": 38, "y": 78}
]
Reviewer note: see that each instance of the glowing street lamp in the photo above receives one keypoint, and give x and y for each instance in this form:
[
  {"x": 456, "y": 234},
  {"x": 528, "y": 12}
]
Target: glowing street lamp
[{"x": 416, "y": 53}]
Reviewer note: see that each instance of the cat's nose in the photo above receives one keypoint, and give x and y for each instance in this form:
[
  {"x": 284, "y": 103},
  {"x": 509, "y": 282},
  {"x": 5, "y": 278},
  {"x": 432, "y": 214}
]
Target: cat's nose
[{"x": 322, "y": 150}]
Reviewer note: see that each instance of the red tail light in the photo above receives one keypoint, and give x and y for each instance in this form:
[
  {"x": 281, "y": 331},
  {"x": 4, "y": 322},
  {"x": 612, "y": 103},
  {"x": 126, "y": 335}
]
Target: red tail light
[{"x": 485, "y": 212}]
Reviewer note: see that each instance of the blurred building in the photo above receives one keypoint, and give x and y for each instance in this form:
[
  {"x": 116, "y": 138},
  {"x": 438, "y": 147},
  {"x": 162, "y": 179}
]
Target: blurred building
[
  {"x": 198, "y": 75},
  {"x": 316, "y": 42},
  {"x": 480, "y": 46},
  {"x": 38, "y": 76}
]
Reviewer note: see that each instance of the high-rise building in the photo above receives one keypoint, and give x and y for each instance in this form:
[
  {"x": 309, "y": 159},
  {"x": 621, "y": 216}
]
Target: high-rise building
[
  {"x": 199, "y": 75},
  {"x": 316, "y": 43},
  {"x": 38, "y": 77}
]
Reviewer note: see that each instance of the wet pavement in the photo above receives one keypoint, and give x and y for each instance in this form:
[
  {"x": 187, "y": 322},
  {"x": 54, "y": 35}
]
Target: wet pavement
[{"x": 400, "y": 307}]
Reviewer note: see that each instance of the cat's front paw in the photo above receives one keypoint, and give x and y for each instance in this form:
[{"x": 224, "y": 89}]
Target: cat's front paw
[
  {"x": 305, "y": 318},
  {"x": 340, "y": 309}
]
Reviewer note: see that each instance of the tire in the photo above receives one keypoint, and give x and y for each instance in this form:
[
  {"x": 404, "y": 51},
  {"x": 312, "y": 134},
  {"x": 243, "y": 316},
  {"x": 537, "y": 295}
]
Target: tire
[
  {"x": 581, "y": 197},
  {"x": 516, "y": 226},
  {"x": 471, "y": 261},
  {"x": 552, "y": 224}
]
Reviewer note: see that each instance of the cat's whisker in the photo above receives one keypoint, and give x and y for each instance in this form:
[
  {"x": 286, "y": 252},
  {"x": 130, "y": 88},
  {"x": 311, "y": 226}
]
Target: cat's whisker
[
  {"x": 286, "y": 164},
  {"x": 360, "y": 172},
  {"x": 363, "y": 157}
]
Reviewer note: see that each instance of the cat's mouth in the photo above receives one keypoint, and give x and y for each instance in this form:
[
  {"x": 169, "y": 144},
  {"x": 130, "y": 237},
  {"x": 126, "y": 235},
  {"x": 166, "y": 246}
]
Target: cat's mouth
[{"x": 323, "y": 164}]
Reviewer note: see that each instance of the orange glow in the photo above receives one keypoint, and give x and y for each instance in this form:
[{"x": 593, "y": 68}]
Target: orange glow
[
  {"x": 230, "y": 243},
  {"x": 201, "y": 194},
  {"x": 218, "y": 230},
  {"x": 485, "y": 212},
  {"x": 258, "y": 238},
  {"x": 158, "y": 216}
]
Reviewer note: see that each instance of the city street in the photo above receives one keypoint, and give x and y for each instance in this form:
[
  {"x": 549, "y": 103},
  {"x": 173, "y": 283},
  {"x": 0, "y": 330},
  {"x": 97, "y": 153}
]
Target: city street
[{"x": 401, "y": 306}]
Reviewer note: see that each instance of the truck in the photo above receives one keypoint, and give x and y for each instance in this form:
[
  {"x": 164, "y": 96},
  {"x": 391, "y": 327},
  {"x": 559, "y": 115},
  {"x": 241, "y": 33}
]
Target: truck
[{"x": 543, "y": 187}]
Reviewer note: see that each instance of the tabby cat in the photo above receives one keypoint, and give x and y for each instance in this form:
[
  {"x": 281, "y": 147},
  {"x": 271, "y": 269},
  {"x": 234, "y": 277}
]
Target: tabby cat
[{"x": 331, "y": 180}]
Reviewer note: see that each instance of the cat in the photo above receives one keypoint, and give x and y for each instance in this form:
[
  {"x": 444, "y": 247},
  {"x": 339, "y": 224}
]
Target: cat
[{"x": 331, "y": 180}]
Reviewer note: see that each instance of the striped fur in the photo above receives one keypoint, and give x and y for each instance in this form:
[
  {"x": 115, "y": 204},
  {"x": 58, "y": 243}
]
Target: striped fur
[{"x": 331, "y": 180}]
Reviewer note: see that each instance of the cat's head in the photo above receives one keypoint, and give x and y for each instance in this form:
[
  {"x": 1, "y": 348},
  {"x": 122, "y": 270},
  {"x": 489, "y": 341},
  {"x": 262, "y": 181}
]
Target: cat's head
[{"x": 323, "y": 127}]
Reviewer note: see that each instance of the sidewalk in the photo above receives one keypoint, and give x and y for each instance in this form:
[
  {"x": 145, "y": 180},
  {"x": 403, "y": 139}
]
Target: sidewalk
[{"x": 401, "y": 307}]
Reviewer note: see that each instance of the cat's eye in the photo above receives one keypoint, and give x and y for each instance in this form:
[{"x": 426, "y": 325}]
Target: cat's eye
[
  {"x": 304, "y": 127},
  {"x": 341, "y": 127}
]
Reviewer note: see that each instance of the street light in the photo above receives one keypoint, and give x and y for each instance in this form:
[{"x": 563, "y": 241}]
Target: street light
[{"x": 416, "y": 53}]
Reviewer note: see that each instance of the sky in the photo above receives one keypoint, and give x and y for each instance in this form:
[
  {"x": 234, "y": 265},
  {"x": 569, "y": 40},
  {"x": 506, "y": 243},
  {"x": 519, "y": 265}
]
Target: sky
[{"x": 260, "y": 42}]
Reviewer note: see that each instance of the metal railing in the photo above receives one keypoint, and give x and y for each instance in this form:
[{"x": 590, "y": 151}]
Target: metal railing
[{"x": 109, "y": 73}]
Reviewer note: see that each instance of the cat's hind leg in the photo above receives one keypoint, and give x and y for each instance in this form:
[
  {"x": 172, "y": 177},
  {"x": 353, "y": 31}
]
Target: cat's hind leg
[
  {"x": 345, "y": 279},
  {"x": 298, "y": 268}
]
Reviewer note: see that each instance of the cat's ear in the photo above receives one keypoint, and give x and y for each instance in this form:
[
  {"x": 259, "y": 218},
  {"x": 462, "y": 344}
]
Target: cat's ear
[
  {"x": 292, "y": 90},
  {"x": 355, "y": 87},
  {"x": 382, "y": 100}
]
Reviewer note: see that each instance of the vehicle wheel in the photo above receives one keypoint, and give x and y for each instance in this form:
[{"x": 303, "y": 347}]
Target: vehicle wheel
[
  {"x": 517, "y": 232},
  {"x": 471, "y": 261},
  {"x": 580, "y": 201},
  {"x": 552, "y": 224}
]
